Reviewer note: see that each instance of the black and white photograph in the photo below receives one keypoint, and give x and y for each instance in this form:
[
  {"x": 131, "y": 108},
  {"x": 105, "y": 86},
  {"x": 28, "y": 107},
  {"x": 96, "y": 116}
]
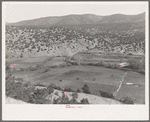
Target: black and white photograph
[{"x": 75, "y": 55}]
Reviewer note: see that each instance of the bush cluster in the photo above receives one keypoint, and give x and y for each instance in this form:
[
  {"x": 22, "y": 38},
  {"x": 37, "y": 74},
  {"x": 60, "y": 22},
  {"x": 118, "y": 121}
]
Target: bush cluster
[
  {"x": 65, "y": 100},
  {"x": 137, "y": 65},
  {"x": 78, "y": 90},
  {"x": 73, "y": 63},
  {"x": 84, "y": 101},
  {"x": 39, "y": 84},
  {"x": 30, "y": 68},
  {"x": 106, "y": 94},
  {"x": 68, "y": 90},
  {"x": 55, "y": 86},
  {"x": 44, "y": 70},
  {"x": 25, "y": 91},
  {"x": 28, "y": 93},
  {"x": 39, "y": 95},
  {"x": 127, "y": 100}
]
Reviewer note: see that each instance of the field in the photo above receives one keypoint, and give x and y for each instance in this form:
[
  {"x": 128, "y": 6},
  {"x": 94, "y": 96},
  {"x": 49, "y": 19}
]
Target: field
[{"x": 46, "y": 70}]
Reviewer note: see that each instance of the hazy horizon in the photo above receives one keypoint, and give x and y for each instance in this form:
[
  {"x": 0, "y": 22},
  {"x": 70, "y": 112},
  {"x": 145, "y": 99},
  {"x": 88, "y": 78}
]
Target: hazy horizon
[
  {"x": 21, "y": 11},
  {"x": 72, "y": 14}
]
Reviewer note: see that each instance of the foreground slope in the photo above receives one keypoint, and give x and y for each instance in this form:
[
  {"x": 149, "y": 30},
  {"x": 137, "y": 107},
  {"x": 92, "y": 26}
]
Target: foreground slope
[{"x": 93, "y": 99}]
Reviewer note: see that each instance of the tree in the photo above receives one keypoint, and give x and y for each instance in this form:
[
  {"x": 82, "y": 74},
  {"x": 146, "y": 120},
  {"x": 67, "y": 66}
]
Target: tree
[
  {"x": 84, "y": 101},
  {"x": 50, "y": 89},
  {"x": 86, "y": 89},
  {"x": 21, "y": 56},
  {"x": 127, "y": 100},
  {"x": 75, "y": 95},
  {"x": 78, "y": 90}
]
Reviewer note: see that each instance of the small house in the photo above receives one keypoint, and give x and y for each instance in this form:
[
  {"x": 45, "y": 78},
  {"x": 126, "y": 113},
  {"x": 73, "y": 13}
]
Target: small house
[{"x": 124, "y": 64}]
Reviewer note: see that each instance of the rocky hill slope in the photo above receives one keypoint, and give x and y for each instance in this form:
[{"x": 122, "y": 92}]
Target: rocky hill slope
[{"x": 71, "y": 34}]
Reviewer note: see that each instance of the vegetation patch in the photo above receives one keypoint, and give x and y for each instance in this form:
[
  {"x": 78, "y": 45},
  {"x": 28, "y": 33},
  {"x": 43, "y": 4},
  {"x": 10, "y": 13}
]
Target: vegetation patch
[
  {"x": 86, "y": 89},
  {"x": 127, "y": 100},
  {"x": 106, "y": 94}
]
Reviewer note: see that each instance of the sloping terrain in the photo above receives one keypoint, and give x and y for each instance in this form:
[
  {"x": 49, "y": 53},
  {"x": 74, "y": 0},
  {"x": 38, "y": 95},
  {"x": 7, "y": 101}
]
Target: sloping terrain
[
  {"x": 9, "y": 100},
  {"x": 91, "y": 98},
  {"x": 60, "y": 41}
]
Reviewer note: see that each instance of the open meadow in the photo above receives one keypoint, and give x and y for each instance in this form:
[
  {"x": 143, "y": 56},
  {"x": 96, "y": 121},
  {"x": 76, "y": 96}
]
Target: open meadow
[{"x": 44, "y": 71}]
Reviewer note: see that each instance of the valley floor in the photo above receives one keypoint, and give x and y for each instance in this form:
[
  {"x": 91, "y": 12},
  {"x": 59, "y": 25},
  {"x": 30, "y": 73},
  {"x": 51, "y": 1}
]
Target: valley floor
[{"x": 55, "y": 70}]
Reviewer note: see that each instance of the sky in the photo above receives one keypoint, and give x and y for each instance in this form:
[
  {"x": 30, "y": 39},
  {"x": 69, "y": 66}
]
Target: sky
[{"x": 19, "y": 11}]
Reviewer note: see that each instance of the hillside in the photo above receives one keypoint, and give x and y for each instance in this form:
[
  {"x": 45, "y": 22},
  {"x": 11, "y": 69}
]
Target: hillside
[
  {"x": 91, "y": 98},
  {"x": 68, "y": 35},
  {"x": 59, "y": 41},
  {"x": 84, "y": 19},
  {"x": 120, "y": 18}
]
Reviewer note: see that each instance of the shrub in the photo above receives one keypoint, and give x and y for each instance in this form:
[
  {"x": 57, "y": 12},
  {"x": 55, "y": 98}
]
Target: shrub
[
  {"x": 54, "y": 66},
  {"x": 106, "y": 94},
  {"x": 24, "y": 91},
  {"x": 65, "y": 100},
  {"x": 94, "y": 79},
  {"x": 19, "y": 90},
  {"x": 57, "y": 101},
  {"x": 127, "y": 100},
  {"x": 69, "y": 64},
  {"x": 55, "y": 86},
  {"x": 26, "y": 84},
  {"x": 56, "y": 93},
  {"x": 9, "y": 81},
  {"x": 21, "y": 56},
  {"x": 68, "y": 90},
  {"x": 61, "y": 100},
  {"x": 109, "y": 66},
  {"x": 73, "y": 63},
  {"x": 74, "y": 101},
  {"x": 39, "y": 96},
  {"x": 39, "y": 84},
  {"x": 74, "y": 95},
  {"x": 84, "y": 101},
  {"x": 50, "y": 89},
  {"x": 21, "y": 69},
  {"x": 142, "y": 72},
  {"x": 8, "y": 72},
  {"x": 78, "y": 90},
  {"x": 58, "y": 88},
  {"x": 13, "y": 89},
  {"x": 44, "y": 70},
  {"x": 136, "y": 64},
  {"x": 86, "y": 89},
  {"x": 115, "y": 66},
  {"x": 26, "y": 94},
  {"x": 101, "y": 63}
]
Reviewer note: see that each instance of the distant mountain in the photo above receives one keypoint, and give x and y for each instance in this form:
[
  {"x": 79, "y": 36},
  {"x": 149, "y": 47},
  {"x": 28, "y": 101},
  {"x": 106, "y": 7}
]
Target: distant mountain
[
  {"x": 120, "y": 18},
  {"x": 68, "y": 35},
  {"x": 85, "y": 19}
]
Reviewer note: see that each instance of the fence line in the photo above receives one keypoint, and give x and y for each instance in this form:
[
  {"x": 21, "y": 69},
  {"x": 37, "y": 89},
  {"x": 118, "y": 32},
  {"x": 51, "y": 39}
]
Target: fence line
[{"x": 119, "y": 86}]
